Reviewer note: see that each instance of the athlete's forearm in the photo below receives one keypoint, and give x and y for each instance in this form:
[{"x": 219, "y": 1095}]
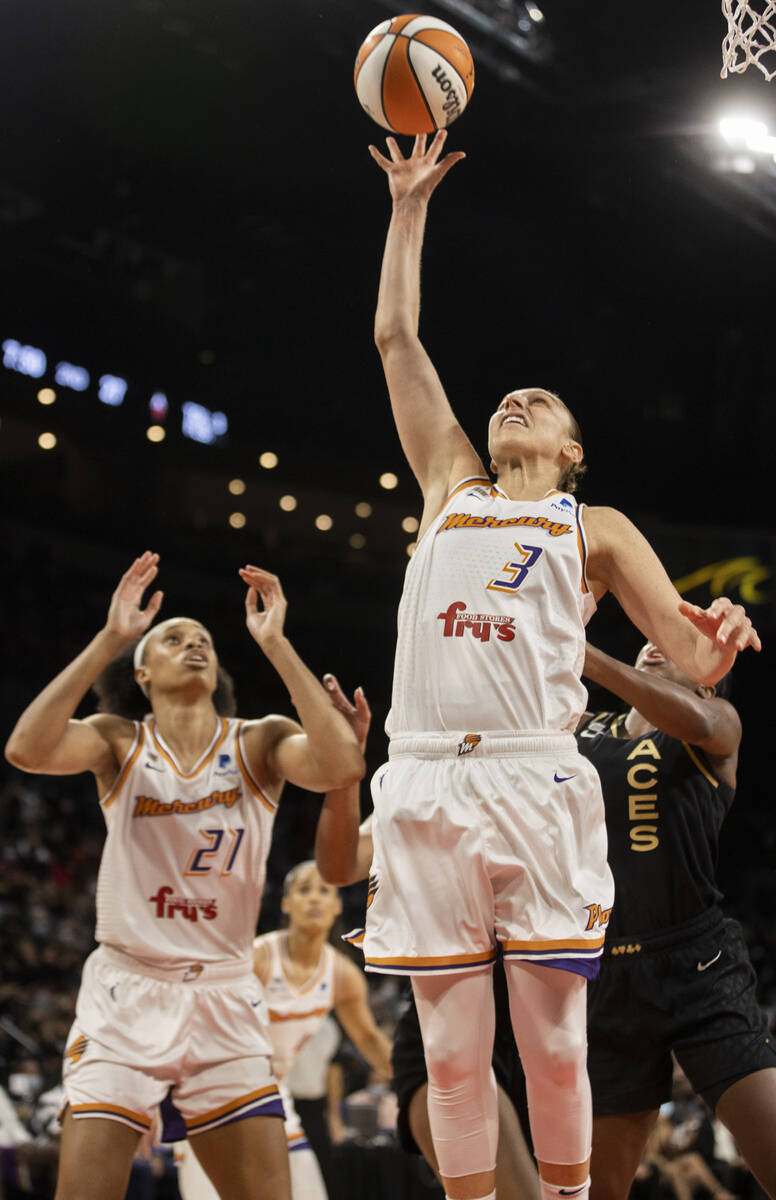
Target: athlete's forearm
[
  {"x": 44, "y": 721},
  {"x": 668, "y": 706},
  {"x": 331, "y": 741},
  {"x": 376, "y": 1049},
  {"x": 337, "y": 837},
  {"x": 398, "y": 301}
]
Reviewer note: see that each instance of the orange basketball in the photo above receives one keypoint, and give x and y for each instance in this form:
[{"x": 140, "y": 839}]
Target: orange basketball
[{"x": 414, "y": 74}]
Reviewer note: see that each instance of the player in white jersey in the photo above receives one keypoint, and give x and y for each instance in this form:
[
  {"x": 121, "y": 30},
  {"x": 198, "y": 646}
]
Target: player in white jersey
[
  {"x": 489, "y": 825},
  {"x": 169, "y": 1012},
  {"x": 304, "y": 978}
]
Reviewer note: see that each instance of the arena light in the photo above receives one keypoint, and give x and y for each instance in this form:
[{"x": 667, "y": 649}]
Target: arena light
[
  {"x": 268, "y": 460},
  {"x": 202, "y": 425},
  {"x": 288, "y": 503},
  {"x": 158, "y": 406},
  {"x": 388, "y": 480},
  {"x": 237, "y": 520},
  {"x": 237, "y": 486},
  {"x": 112, "y": 390},
  {"x": 410, "y": 524},
  {"x": 762, "y": 143},
  {"x": 70, "y": 376},
  {"x": 46, "y": 396},
  {"x": 47, "y": 441},
  {"x": 411, "y": 548},
  {"x": 323, "y": 522},
  {"x": 27, "y": 360},
  {"x": 363, "y": 509},
  {"x": 738, "y": 130},
  {"x": 156, "y": 433},
  {"x": 535, "y": 14},
  {"x": 357, "y": 541}
]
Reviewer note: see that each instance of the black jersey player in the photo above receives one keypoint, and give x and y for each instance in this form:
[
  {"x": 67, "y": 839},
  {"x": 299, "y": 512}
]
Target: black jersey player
[{"x": 676, "y": 975}]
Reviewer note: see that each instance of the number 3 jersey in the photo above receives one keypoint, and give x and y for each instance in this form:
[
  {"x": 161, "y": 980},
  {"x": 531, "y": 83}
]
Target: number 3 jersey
[
  {"x": 184, "y": 861},
  {"x": 491, "y": 621}
]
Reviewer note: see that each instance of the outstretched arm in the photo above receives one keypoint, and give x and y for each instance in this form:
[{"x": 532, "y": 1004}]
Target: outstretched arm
[
  {"x": 676, "y": 710},
  {"x": 352, "y": 1008},
  {"x": 324, "y": 752},
  {"x": 46, "y": 739},
  {"x": 437, "y": 449},
  {"x": 702, "y": 642},
  {"x": 343, "y": 848}
]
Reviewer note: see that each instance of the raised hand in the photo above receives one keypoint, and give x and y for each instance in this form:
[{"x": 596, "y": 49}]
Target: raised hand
[
  {"x": 724, "y": 623},
  {"x": 267, "y": 624},
  {"x": 358, "y": 715},
  {"x": 126, "y": 619},
  {"x": 419, "y": 174}
]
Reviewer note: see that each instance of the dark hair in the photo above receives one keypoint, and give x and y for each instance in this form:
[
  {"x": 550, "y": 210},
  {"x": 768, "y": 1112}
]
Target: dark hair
[
  {"x": 723, "y": 688},
  {"x": 118, "y": 692}
]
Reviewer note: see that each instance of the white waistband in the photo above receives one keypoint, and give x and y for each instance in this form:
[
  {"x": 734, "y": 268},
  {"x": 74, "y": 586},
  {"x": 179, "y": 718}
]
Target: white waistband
[
  {"x": 481, "y": 745},
  {"x": 193, "y": 972}
]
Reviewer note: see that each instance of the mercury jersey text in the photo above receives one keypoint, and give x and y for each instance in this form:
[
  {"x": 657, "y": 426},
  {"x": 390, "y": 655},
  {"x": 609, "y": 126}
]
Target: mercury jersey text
[
  {"x": 184, "y": 862},
  {"x": 491, "y": 621}
]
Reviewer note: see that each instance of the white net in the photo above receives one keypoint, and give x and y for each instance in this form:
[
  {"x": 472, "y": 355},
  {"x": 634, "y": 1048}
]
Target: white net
[{"x": 751, "y": 36}]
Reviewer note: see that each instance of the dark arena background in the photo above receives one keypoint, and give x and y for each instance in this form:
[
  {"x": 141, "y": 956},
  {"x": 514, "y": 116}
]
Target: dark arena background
[{"x": 190, "y": 239}]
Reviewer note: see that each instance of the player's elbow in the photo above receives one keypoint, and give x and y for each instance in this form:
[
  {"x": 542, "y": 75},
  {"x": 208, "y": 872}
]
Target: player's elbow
[
  {"x": 394, "y": 333},
  {"x": 20, "y": 753},
  {"x": 351, "y": 768}
]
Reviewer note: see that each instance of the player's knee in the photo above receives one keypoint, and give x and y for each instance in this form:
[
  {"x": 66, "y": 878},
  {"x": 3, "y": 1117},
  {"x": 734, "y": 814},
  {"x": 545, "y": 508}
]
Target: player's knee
[{"x": 563, "y": 1064}]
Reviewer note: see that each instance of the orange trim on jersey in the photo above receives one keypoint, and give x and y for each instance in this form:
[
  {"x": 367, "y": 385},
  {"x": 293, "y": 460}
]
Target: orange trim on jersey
[
  {"x": 582, "y": 547},
  {"x": 269, "y": 1092},
  {"x": 484, "y": 958},
  {"x": 314, "y": 1012},
  {"x": 296, "y": 1137},
  {"x": 558, "y": 944},
  {"x": 459, "y": 487},
  {"x": 114, "y": 1110},
  {"x": 129, "y": 761},
  {"x": 252, "y": 784},
  {"x": 219, "y": 738},
  {"x": 703, "y": 770}
]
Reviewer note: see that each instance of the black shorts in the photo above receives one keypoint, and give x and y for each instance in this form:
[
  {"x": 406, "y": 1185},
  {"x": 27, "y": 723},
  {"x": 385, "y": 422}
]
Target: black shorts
[
  {"x": 409, "y": 1064},
  {"x": 690, "y": 990}
]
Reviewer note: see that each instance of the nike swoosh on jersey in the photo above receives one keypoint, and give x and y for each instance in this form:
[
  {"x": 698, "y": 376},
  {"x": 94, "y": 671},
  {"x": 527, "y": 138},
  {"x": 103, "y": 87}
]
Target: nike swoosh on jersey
[
  {"x": 562, "y": 779},
  {"x": 705, "y": 966}
]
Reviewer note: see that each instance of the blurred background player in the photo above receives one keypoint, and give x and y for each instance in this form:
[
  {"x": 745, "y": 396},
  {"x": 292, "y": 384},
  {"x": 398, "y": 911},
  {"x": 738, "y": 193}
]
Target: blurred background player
[
  {"x": 677, "y": 975},
  {"x": 343, "y": 851},
  {"x": 304, "y": 978},
  {"x": 169, "y": 1009},
  {"x": 489, "y": 825}
]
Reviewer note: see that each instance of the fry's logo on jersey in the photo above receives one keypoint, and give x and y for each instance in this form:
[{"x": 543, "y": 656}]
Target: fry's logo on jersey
[
  {"x": 149, "y": 806},
  {"x": 457, "y": 621},
  {"x": 597, "y": 916},
  {"x": 167, "y": 905},
  {"x": 467, "y": 521}
]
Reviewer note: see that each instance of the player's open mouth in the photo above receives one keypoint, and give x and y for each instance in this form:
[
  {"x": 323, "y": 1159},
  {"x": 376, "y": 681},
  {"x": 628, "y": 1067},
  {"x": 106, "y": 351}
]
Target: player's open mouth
[
  {"x": 515, "y": 419},
  {"x": 195, "y": 660}
]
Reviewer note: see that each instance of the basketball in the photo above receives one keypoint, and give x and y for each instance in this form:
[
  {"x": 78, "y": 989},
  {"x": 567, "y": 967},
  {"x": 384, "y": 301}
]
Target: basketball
[{"x": 414, "y": 74}]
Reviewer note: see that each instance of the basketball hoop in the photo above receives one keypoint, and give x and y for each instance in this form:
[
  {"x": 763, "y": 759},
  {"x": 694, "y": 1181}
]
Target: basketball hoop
[{"x": 751, "y": 36}]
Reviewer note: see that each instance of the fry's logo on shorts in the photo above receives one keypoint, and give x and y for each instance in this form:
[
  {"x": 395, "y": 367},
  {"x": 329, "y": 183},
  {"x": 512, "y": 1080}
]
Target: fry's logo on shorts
[
  {"x": 457, "y": 621},
  {"x": 597, "y": 916},
  {"x": 469, "y": 743},
  {"x": 167, "y": 905}
]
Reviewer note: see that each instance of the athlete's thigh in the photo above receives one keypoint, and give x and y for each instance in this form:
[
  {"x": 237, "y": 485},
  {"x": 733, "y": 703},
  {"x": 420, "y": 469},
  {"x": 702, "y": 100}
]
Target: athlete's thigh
[
  {"x": 95, "y": 1158},
  {"x": 246, "y": 1160},
  {"x": 618, "y": 1144},
  {"x": 748, "y": 1108}
]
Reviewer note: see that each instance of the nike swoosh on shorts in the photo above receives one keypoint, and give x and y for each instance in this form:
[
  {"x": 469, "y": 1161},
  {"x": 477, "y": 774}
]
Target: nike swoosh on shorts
[
  {"x": 703, "y": 966},
  {"x": 562, "y": 779}
]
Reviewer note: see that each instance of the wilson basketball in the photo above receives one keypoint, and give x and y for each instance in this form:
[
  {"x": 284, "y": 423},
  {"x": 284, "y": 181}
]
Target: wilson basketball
[{"x": 414, "y": 74}]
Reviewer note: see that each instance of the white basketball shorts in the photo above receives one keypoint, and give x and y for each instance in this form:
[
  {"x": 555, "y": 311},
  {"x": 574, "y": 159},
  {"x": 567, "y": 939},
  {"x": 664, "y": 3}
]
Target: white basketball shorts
[
  {"x": 142, "y": 1038},
  {"x": 483, "y": 839}
]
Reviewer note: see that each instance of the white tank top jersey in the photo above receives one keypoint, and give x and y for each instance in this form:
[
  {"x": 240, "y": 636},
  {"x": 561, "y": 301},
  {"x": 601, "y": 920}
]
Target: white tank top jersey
[
  {"x": 184, "y": 862},
  {"x": 295, "y": 1013},
  {"x": 491, "y": 621}
]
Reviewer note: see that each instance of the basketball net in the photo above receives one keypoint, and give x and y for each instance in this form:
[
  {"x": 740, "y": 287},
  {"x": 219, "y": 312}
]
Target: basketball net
[{"x": 751, "y": 36}]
